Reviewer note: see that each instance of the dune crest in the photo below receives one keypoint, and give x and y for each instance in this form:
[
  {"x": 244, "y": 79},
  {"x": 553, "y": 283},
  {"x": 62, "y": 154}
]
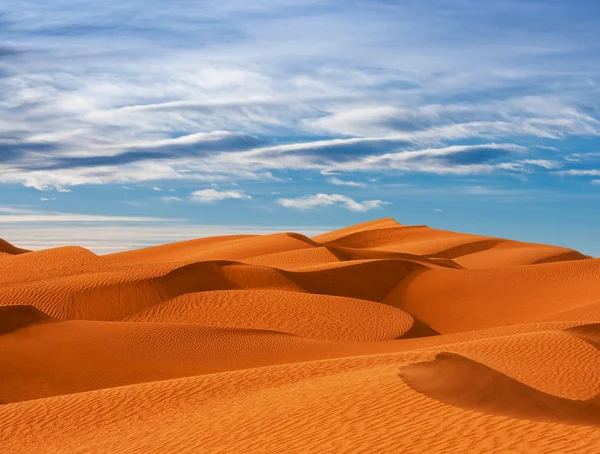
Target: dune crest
[
  {"x": 377, "y": 337},
  {"x": 459, "y": 381}
]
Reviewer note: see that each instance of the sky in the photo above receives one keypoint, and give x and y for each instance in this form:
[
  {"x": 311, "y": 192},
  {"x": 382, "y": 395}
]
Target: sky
[{"x": 125, "y": 124}]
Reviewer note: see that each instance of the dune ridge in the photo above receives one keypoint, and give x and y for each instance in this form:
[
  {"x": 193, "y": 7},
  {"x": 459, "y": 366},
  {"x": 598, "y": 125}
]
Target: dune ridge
[{"x": 378, "y": 337}]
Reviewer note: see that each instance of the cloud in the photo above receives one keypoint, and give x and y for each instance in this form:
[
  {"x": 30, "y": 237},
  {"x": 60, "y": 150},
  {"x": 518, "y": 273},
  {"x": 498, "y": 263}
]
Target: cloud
[
  {"x": 492, "y": 191},
  {"x": 580, "y": 172},
  {"x": 544, "y": 163},
  {"x": 6, "y": 51},
  {"x": 336, "y": 181},
  {"x": 24, "y": 215},
  {"x": 15, "y": 210},
  {"x": 366, "y": 121},
  {"x": 212, "y": 195},
  {"x": 526, "y": 116},
  {"x": 70, "y": 217},
  {"x": 327, "y": 156},
  {"x": 171, "y": 199},
  {"x": 232, "y": 91},
  {"x": 320, "y": 200},
  {"x": 333, "y": 157},
  {"x": 578, "y": 157},
  {"x": 455, "y": 159}
]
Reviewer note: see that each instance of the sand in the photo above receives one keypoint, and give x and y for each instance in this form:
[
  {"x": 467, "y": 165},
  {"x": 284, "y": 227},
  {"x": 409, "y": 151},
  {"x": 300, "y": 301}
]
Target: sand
[{"x": 374, "y": 338}]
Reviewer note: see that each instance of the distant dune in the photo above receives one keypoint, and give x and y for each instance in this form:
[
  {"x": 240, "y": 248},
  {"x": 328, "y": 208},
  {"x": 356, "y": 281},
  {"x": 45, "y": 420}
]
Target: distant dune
[
  {"x": 8, "y": 249},
  {"x": 378, "y": 337}
]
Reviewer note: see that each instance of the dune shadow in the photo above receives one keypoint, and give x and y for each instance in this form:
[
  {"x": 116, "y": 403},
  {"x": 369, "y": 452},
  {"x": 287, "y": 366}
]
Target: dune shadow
[
  {"x": 13, "y": 318},
  {"x": 589, "y": 333},
  {"x": 461, "y": 382}
]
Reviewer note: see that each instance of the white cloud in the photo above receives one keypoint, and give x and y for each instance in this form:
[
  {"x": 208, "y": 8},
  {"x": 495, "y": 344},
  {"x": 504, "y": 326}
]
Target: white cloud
[
  {"x": 336, "y": 181},
  {"x": 15, "y": 210},
  {"x": 578, "y": 157},
  {"x": 171, "y": 199},
  {"x": 545, "y": 163},
  {"x": 24, "y": 215},
  {"x": 212, "y": 195},
  {"x": 319, "y": 200},
  {"x": 527, "y": 116},
  {"x": 375, "y": 78},
  {"x": 580, "y": 172},
  {"x": 330, "y": 157},
  {"x": 486, "y": 190},
  {"x": 70, "y": 217},
  {"x": 437, "y": 160}
]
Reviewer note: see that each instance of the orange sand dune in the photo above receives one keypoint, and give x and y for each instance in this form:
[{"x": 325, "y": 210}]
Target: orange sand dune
[
  {"x": 458, "y": 300},
  {"x": 289, "y": 312},
  {"x": 9, "y": 249},
  {"x": 219, "y": 248},
  {"x": 471, "y": 251},
  {"x": 377, "y": 224},
  {"x": 461, "y": 382},
  {"x": 378, "y": 337}
]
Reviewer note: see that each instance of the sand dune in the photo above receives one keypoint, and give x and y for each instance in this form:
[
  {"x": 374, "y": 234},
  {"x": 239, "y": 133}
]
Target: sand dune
[
  {"x": 488, "y": 297},
  {"x": 459, "y": 381},
  {"x": 13, "y": 318},
  {"x": 8, "y": 249},
  {"x": 378, "y": 337},
  {"x": 289, "y": 312}
]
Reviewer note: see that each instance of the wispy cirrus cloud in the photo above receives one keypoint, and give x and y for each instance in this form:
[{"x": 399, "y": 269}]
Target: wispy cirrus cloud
[
  {"x": 213, "y": 195},
  {"x": 258, "y": 164},
  {"x": 525, "y": 116},
  {"x": 171, "y": 199},
  {"x": 145, "y": 92},
  {"x": 338, "y": 182},
  {"x": 27, "y": 215},
  {"x": 580, "y": 172},
  {"x": 322, "y": 200}
]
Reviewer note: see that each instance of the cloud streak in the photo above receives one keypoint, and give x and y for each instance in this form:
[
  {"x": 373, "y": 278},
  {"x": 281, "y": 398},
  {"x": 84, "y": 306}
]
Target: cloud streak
[
  {"x": 14, "y": 215},
  {"x": 322, "y": 200},
  {"x": 212, "y": 195},
  {"x": 355, "y": 184},
  {"x": 189, "y": 83}
]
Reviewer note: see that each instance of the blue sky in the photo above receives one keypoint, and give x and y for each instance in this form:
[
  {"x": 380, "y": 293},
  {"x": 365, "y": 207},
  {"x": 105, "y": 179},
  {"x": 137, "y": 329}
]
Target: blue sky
[{"x": 124, "y": 124}]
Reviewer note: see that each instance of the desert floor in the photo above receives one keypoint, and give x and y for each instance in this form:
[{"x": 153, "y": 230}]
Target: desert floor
[{"x": 375, "y": 338}]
